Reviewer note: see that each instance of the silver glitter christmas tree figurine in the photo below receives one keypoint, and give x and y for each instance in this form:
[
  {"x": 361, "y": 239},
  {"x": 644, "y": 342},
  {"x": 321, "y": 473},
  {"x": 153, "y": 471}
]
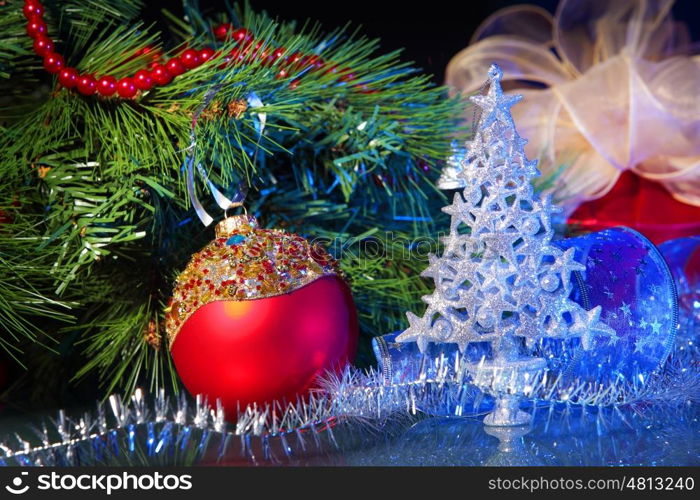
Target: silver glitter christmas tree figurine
[{"x": 499, "y": 280}]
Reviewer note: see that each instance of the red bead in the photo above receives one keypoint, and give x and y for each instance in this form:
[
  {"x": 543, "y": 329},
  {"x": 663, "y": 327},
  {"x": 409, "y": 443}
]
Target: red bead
[
  {"x": 126, "y": 88},
  {"x": 107, "y": 85},
  {"x": 275, "y": 56},
  {"x": 143, "y": 80},
  {"x": 36, "y": 27},
  {"x": 348, "y": 76},
  {"x": 234, "y": 57},
  {"x": 282, "y": 74},
  {"x": 222, "y": 31},
  {"x": 256, "y": 50},
  {"x": 42, "y": 45},
  {"x": 87, "y": 85},
  {"x": 314, "y": 62},
  {"x": 68, "y": 77},
  {"x": 242, "y": 36},
  {"x": 32, "y": 8},
  {"x": 53, "y": 63},
  {"x": 295, "y": 59},
  {"x": 364, "y": 89},
  {"x": 175, "y": 66},
  {"x": 205, "y": 54},
  {"x": 160, "y": 74},
  {"x": 294, "y": 84},
  {"x": 190, "y": 59},
  {"x": 149, "y": 51}
]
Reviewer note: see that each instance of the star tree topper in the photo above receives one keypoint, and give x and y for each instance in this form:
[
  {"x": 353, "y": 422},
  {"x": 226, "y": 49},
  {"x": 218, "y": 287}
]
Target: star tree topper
[{"x": 500, "y": 279}]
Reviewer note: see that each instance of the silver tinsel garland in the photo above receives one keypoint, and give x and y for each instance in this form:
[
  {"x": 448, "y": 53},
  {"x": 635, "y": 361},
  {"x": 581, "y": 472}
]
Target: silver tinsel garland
[{"x": 356, "y": 410}]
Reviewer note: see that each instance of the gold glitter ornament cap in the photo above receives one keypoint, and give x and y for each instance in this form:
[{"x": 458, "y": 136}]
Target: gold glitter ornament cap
[
  {"x": 235, "y": 223},
  {"x": 245, "y": 262}
]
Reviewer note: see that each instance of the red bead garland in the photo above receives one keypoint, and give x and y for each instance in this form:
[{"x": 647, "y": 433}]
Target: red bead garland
[
  {"x": 222, "y": 31},
  {"x": 160, "y": 74},
  {"x": 32, "y": 8},
  {"x": 247, "y": 51},
  {"x": 68, "y": 77},
  {"x": 190, "y": 58},
  {"x": 107, "y": 85},
  {"x": 42, "y": 45},
  {"x": 36, "y": 27},
  {"x": 143, "y": 80},
  {"x": 53, "y": 63},
  {"x": 87, "y": 84},
  {"x": 126, "y": 88},
  {"x": 175, "y": 66}
]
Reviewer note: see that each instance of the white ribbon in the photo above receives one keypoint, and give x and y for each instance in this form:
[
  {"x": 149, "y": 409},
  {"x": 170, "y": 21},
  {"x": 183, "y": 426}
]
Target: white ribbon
[
  {"x": 616, "y": 89},
  {"x": 221, "y": 200}
]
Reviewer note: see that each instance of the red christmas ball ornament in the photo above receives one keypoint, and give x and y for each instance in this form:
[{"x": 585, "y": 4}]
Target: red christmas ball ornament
[
  {"x": 42, "y": 45},
  {"x": 160, "y": 74},
  {"x": 175, "y": 66},
  {"x": 87, "y": 85},
  {"x": 68, "y": 77},
  {"x": 32, "y": 9},
  {"x": 258, "y": 315},
  {"x": 107, "y": 85},
  {"x": 126, "y": 88},
  {"x": 36, "y": 27},
  {"x": 143, "y": 80},
  {"x": 222, "y": 31},
  {"x": 190, "y": 58},
  {"x": 53, "y": 63}
]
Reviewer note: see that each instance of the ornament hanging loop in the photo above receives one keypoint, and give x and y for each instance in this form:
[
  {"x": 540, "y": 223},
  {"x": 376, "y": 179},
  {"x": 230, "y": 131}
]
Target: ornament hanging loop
[
  {"x": 235, "y": 223},
  {"x": 235, "y": 204}
]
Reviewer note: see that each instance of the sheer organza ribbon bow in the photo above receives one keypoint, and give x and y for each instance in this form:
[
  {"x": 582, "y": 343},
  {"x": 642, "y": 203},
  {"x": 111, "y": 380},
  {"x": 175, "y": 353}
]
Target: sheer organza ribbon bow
[{"x": 608, "y": 86}]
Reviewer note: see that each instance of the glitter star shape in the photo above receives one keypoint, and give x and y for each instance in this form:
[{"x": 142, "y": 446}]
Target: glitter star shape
[
  {"x": 565, "y": 264},
  {"x": 625, "y": 309},
  {"x": 495, "y": 276},
  {"x": 435, "y": 268},
  {"x": 587, "y": 326},
  {"x": 655, "y": 327},
  {"x": 501, "y": 245},
  {"x": 495, "y": 106},
  {"x": 458, "y": 208},
  {"x": 416, "y": 332},
  {"x": 544, "y": 210}
]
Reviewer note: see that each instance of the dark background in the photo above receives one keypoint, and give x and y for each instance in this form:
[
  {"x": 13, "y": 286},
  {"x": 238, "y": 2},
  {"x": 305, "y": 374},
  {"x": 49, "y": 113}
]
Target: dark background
[{"x": 430, "y": 31}]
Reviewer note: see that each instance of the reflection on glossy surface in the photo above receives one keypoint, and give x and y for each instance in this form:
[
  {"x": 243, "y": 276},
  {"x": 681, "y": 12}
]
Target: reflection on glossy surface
[{"x": 566, "y": 439}]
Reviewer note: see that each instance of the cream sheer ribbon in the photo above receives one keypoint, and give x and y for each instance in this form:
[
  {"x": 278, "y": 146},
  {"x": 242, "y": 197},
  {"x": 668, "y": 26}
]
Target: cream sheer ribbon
[{"x": 607, "y": 86}]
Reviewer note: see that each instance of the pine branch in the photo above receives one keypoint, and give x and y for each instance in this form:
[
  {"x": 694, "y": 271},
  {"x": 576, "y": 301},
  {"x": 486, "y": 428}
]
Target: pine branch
[{"x": 340, "y": 160}]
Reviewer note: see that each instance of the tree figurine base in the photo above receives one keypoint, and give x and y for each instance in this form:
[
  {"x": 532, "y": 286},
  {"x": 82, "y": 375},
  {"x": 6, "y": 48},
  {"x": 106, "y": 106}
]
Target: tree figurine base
[
  {"x": 507, "y": 413},
  {"x": 507, "y": 381}
]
